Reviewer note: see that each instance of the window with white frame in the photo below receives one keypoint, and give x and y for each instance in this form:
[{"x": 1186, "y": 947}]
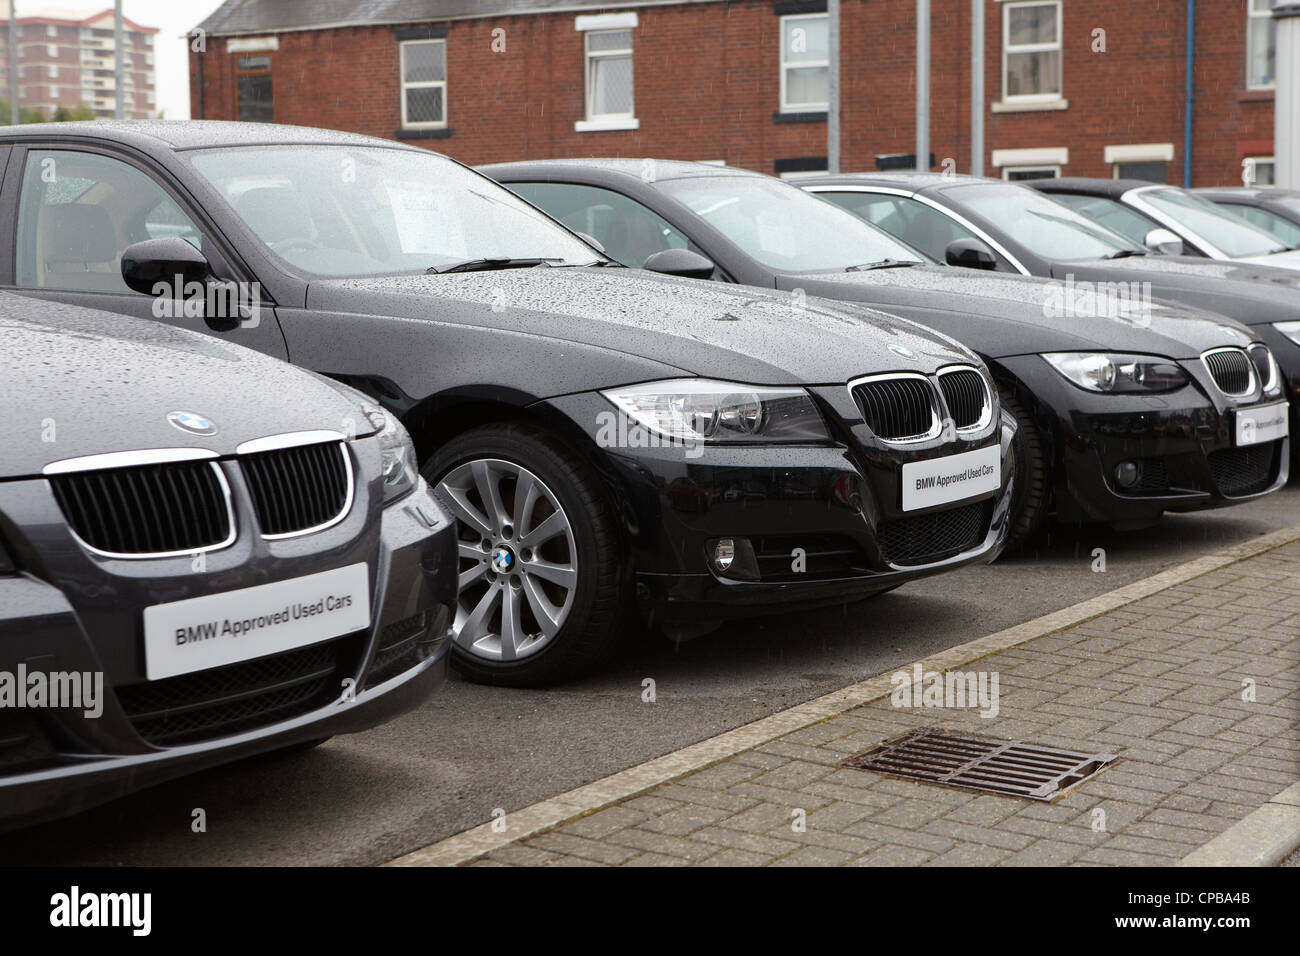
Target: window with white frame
[
  {"x": 805, "y": 63},
  {"x": 1257, "y": 171},
  {"x": 54, "y": 72},
  {"x": 424, "y": 83},
  {"x": 1017, "y": 174},
  {"x": 609, "y": 75},
  {"x": 1031, "y": 51},
  {"x": 1261, "y": 45},
  {"x": 51, "y": 50},
  {"x": 51, "y": 30}
]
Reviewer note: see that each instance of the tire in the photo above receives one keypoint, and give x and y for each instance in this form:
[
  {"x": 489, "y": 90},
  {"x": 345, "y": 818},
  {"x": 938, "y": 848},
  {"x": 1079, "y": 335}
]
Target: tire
[
  {"x": 1031, "y": 497},
  {"x": 556, "y": 609}
]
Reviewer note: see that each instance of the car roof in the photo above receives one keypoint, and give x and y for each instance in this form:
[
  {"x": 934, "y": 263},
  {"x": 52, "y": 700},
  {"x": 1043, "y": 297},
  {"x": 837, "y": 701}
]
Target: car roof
[
  {"x": 618, "y": 166},
  {"x": 1088, "y": 186},
  {"x": 152, "y": 135},
  {"x": 901, "y": 179}
]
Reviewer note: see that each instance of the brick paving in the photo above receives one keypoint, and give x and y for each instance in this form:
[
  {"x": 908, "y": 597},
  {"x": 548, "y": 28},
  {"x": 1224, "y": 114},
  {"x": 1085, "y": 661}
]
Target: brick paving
[{"x": 1158, "y": 682}]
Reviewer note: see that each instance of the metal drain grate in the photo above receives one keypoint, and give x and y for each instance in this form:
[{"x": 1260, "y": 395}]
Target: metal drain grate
[{"x": 1007, "y": 767}]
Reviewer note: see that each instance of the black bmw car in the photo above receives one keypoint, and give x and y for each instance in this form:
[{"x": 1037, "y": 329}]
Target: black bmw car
[
  {"x": 1008, "y": 227},
  {"x": 1270, "y": 208},
  {"x": 204, "y": 554},
  {"x": 1134, "y": 209},
  {"x": 1128, "y": 406},
  {"x": 610, "y": 441}
]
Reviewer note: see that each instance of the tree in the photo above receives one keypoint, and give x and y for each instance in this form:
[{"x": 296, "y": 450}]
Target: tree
[{"x": 26, "y": 114}]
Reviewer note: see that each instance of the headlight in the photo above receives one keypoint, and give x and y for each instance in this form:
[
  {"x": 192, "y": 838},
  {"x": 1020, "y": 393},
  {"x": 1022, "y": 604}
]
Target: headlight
[
  {"x": 694, "y": 410},
  {"x": 1290, "y": 329},
  {"x": 401, "y": 470},
  {"x": 1108, "y": 373}
]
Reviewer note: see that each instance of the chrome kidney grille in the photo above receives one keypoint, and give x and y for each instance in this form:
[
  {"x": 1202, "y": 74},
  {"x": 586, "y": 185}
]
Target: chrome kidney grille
[
  {"x": 1259, "y": 357},
  {"x": 183, "y": 507},
  {"x": 898, "y": 408},
  {"x": 966, "y": 393},
  {"x": 1232, "y": 370},
  {"x": 164, "y": 509},
  {"x": 298, "y": 490}
]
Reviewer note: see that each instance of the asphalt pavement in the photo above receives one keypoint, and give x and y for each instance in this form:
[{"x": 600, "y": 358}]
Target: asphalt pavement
[{"x": 470, "y": 750}]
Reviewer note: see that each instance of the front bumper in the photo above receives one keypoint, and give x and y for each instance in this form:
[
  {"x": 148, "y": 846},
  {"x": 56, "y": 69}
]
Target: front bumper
[
  {"x": 1184, "y": 443},
  {"x": 815, "y": 524},
  {"x": 70, "y": 612}
]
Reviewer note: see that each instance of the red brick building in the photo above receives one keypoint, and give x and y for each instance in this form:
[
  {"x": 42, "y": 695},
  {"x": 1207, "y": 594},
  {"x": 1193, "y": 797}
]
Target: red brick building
[{"x": 1075, "y": 87}]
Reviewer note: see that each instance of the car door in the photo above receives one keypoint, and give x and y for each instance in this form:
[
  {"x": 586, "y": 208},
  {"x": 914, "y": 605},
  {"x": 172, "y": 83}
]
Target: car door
[{"x": 72, "y": 212}]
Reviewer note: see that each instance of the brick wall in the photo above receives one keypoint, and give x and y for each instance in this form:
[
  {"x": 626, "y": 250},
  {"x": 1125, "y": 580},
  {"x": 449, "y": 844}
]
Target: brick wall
[{"x": 707, "y": 86}]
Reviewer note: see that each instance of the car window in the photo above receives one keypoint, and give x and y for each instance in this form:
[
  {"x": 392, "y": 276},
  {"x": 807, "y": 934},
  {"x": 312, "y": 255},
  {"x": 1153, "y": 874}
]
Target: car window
[
  {"x": 1127, "y": 222},
  {"x": 628, "y": 230},
  {"x": 914, "y": 222},
  {"x": 1226, "y": 230},
  {"x": 1284, "y": 229},
  {"x": 77, "y": 213},
  {"x": 354, "y": 211},
  {"x": 784, "y": 227},
  {"x": 1039, "y": 223}
]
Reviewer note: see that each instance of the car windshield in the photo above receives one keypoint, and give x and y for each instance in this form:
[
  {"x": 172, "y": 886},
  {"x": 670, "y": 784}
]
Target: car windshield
[
  {"x": 1042, "y": 225},
  {"x": 785, "y": 228},
  {"x": 1114, "y": 215},
  {"x": 356, "y": 211},
  {"x": 1226, "y": 230}
]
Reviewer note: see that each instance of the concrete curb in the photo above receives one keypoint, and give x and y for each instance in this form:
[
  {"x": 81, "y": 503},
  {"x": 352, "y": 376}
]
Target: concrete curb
[
  {"x": 546, "y": 814},
  {"x": 1265, "y": 837}
]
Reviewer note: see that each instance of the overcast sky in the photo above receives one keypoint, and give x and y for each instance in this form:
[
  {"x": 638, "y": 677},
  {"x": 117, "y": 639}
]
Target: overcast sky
[{"x": 172, "y": 18}]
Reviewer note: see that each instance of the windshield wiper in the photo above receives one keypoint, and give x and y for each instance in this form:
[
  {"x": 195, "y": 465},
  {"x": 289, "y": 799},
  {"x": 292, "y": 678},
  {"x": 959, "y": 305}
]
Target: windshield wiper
[
  {"x": 883, "y": 264},
  {"x": 493, "y": 263},
  {"x": 1125, "y": 253}
]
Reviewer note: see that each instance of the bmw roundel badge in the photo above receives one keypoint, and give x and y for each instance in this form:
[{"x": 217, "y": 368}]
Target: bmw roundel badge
[{"x": 192, "y": 423}]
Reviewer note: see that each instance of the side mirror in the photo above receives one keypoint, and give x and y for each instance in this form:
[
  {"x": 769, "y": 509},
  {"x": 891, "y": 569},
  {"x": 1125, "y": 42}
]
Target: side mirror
[
  {"x": 679, "y": 262},
  {"x": 145, "y": 264},
  {"x": 970, "y": 254},
  {"x": 1163, "y": 241},
  {"x": 173, "y": 264},
  {"x": 592, "y": 241}
]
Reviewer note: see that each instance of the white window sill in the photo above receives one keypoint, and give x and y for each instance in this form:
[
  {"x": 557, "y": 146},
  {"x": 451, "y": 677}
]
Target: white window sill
[
  {"x": 1029, "y": 106},
  {"x": 601, "y": 125}
]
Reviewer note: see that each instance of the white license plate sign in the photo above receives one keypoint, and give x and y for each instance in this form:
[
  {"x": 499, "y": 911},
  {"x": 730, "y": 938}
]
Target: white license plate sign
[
  {"x": 1258, "y": 425},
  {"x": 234, "y": 626},
  {"x": 941, "y": 481}
]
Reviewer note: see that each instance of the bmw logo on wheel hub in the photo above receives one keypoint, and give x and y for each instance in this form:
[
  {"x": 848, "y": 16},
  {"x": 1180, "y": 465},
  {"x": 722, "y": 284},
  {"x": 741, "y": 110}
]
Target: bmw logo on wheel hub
[{"x": 503, "y": 560}]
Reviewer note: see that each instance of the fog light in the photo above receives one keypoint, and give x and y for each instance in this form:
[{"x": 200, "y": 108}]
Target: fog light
[
  {"x": 1127, "y": 474},
  {"x": 732, "y": 558}
]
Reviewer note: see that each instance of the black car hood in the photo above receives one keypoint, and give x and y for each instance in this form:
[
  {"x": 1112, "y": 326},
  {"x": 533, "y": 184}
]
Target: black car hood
[
  {"x": 81, "y": 382},
  {"x": 1248, "y": 292},
  {"x": 1000, "y": 315},
  {"x": 702, "y": 328}
]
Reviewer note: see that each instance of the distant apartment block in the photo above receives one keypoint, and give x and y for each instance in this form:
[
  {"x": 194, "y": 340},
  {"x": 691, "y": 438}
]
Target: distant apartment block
[{"x": 68, "y": 60}]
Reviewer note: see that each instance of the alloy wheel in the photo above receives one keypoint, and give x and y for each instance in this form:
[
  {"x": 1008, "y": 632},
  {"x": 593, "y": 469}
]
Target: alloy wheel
[{"x": 517, "y": 559}]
